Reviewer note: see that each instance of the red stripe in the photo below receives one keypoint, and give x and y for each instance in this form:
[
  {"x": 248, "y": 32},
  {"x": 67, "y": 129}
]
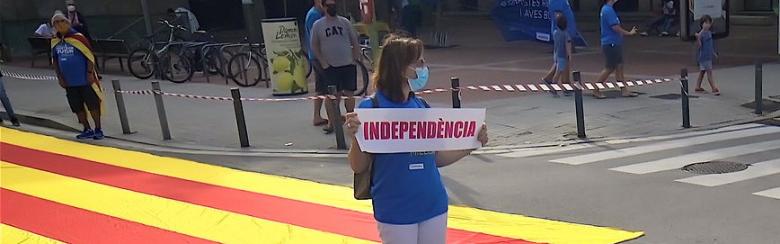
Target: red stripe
[
  {"x": 309, "y": 215},
  {"x": 75, "y": 225}
]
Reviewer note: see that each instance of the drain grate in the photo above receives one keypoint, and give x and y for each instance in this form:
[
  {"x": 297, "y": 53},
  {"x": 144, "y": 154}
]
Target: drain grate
[
  {"x": 672, "y": 96},
  {"x": 715, "y": 167}
]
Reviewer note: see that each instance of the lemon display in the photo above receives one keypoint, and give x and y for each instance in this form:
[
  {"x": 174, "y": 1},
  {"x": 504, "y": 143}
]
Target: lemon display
[
  {"x": 281, "y": 64},
  {"x": 299, "y": 75},
  {"x": 284, "y": 81}
]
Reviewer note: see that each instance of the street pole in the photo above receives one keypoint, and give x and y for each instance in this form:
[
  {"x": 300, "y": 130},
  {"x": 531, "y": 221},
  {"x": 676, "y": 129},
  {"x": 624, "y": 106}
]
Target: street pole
[
  {"x": 250, "y": 20},
  {"x": 578, "y": 107},
  {"x": 686, "y": 112},
  {"x": 759, "y": 88},
  {"x": 147, "y": 17}
]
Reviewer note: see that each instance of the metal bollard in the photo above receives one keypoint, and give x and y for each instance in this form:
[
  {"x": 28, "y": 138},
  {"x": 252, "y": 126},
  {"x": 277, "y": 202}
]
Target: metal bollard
[
  {"x": 455, "y": 82},
  {"x": 120, "y": 105},
  {"x": 158, "y": 100},
  {"x": 238, "y": 106},
  {"x": 759, "y": 88},
  {"x": 578, "y": 105},
  {"x": 686, "y": 114},
  {"x": 335, "y": 118}
]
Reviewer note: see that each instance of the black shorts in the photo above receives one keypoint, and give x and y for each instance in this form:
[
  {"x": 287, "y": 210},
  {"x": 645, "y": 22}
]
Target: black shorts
[
  {"x": 78, "y": 96},
  {"x": 613, "y": 55},
  {"x": 344, "y": 77}
]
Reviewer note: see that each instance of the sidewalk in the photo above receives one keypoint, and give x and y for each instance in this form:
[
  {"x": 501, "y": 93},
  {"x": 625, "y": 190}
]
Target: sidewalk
[
  {"x": 482, "y": 58},
  {"x": 514, "y": 121}
]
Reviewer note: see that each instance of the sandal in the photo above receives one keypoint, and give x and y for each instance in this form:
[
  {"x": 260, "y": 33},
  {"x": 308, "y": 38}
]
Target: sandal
[
  {"x": 328, "y": 130},
  {"x": 321, "y": 122},
  {"x": 700, "y": 90},
  {"x": 716, "y": 92}
]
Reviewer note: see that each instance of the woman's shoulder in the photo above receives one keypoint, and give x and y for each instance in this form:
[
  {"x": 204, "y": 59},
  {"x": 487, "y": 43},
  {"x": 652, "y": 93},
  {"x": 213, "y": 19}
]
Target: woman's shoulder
[{"x": 367, "y": 102}]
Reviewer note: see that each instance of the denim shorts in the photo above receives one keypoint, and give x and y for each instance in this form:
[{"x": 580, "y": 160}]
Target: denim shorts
[
  {"x": 561, "y": 63},
  {"x": 705, "y": 65}
]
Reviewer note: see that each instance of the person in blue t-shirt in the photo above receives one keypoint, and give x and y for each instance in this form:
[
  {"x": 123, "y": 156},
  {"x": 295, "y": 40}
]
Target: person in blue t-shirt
[
  {"x": 706, "y": 54},
  {"x": 410, "y": 203},
  {"x": 612, "y": 47},
  {"x": 75, "y": 70},
  {"x": 315, "y": 13}
]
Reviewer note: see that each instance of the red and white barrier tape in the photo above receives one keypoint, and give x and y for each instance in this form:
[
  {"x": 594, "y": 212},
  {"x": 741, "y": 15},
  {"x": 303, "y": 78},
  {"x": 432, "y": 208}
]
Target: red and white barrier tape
[
  {"x": 497, "y": 88},
  {"x": 28, "y": 76}
]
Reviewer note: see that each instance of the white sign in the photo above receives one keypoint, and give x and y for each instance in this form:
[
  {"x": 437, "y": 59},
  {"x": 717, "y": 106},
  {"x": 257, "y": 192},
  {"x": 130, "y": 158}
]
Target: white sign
[
  {"x": 287, "y": 64},
  {"x": 419, "y": 130},
  {"x": 713, "y": 8}
]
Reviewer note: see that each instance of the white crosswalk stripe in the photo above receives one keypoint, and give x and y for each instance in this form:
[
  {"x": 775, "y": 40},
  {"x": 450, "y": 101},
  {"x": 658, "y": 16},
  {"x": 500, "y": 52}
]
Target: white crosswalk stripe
[
  {"x": 773, "y": 193},
  {"x": 759, "y": 142},
  {"x": 755, "y": 170},
  {"x": 680, "y": 161},
  {"x": 619, "y": 153}
]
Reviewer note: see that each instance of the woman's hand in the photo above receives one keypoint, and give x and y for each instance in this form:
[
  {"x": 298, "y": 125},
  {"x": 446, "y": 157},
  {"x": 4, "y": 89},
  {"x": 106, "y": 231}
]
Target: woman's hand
[
  {"x": 483, "y": 135},
  {"x": 352, "y": 123}
]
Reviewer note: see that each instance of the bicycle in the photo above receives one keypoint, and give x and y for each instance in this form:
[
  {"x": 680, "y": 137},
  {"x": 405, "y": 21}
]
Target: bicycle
[
  {"x": 171, "y": 65},
  {"x": 249, "y": 66}
]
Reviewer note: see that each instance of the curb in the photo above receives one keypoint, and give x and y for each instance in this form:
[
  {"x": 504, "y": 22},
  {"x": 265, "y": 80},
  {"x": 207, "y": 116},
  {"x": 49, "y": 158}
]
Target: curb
[{"x": 302, "y": 153}]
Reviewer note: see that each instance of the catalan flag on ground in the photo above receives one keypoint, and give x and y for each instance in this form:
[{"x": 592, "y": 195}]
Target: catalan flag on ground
[{"x": 54, "y": 190}]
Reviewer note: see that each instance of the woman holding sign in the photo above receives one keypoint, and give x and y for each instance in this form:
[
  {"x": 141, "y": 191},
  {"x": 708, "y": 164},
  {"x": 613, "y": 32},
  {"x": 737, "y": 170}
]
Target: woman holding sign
[{"x": 410, "y": 203}]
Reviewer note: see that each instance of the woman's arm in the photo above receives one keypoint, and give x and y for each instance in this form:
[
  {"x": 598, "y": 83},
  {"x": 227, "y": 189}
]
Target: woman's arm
[
  {"x": 358, "y": 159},
  {"x": 445, "y": 158}
]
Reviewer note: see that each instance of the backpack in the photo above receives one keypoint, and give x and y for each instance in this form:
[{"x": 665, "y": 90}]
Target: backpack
[{"x": 363, "y": 181}]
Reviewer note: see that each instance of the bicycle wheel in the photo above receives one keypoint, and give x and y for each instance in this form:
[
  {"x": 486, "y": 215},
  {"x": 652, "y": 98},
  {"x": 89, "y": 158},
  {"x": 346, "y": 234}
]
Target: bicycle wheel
[
  {"x": 213, "y": 63},
  {"x": 362, "y": 78},
  {"x": 176, "y": 68},
  {"x": 244, "y": 70},
  {"x": 141, "y": 63},
  {"x": 367, "y": 59},
  {"x": 224, "y": 60}
]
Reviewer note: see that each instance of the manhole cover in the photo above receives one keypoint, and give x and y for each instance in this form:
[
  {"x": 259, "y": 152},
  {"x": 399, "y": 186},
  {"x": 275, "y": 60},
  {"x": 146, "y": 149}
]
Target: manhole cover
[
  {"x": 715, "y": 167},
  {"x": 672, "y": 96}
]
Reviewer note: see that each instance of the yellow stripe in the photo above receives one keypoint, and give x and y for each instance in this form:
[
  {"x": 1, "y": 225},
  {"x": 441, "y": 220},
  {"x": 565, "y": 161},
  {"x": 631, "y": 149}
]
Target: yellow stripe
[
  {"x": 194, "y": 220},
  {"x": 470, "y": 219},
  {"x": 10, "y": 234}
]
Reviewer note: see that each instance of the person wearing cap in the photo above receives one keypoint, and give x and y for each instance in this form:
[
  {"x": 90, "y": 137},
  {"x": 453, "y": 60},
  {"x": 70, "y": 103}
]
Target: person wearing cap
[
  {"x": 77, "y": 20},
  {"x": 74, "y": 64}
]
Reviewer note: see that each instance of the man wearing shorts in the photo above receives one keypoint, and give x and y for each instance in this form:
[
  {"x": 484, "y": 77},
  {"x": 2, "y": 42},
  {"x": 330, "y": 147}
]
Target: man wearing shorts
[
  {"x": 335, "y": 46},
  {"x": 74, "y": 63},
  {"x": 612, "y": 46}
]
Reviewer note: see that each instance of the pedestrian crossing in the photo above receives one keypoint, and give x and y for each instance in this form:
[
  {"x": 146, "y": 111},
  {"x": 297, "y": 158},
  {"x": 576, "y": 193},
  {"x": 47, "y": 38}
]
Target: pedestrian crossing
[{"x": 736, "y": 142}]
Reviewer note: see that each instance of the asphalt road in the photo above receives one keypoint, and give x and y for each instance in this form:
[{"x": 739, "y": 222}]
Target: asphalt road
[{"x": 634, "y": 185}]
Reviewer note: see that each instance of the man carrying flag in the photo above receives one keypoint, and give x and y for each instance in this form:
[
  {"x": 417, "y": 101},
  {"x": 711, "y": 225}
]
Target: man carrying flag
[{"x": 74, "y": 63}]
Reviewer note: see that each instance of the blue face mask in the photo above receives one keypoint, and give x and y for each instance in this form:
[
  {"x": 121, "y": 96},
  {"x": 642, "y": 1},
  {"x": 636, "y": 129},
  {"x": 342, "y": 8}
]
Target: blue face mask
[{"x": 422, "y": 79}]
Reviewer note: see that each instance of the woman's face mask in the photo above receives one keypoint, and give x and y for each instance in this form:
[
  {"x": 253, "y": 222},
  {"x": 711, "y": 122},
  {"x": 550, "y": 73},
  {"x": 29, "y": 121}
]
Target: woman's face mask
[
  {"x": 71, "y": 8},
  {"x": 421, "y": 81}
]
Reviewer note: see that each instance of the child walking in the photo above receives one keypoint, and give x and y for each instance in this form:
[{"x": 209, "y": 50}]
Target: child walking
[
  {"x": 706, "y": 54},
  {"x": 559, "y": 73}
]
